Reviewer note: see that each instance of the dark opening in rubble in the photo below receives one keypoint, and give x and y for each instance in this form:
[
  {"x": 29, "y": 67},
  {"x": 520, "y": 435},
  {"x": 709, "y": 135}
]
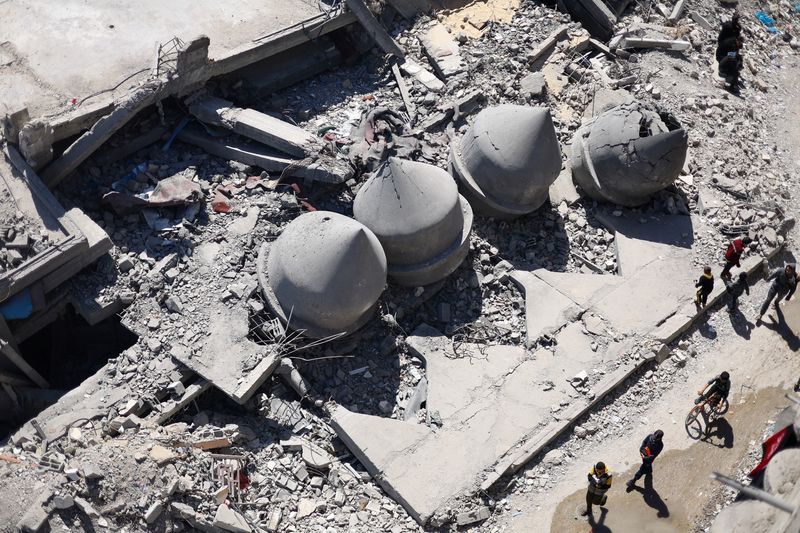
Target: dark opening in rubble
[
  {"x": 669, "y": 120},
  {"x": 65, "y": 353}
]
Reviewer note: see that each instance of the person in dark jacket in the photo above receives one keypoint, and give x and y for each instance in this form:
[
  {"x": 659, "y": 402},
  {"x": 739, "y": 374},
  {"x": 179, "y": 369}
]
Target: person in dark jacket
[
  {"x": 784, "y": 283},
  {"x": 705, "y": 285},
  {"x": 649, "y": 450},
  {"x": 730, "y": 28},
  {"x": 733, "y": 254},
  {"x": 729, "y": 51},
  {"x": 735, "y": 289}
]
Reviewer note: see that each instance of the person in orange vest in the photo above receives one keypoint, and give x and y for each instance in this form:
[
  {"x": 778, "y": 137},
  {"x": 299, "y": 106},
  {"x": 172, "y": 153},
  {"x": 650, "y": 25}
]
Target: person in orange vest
[
  {"x": 649, "y": 450},
  {"x": 705, "y": 285},
  {"x": 599, "y": 483},
  {"x": 733, "y": 254}
]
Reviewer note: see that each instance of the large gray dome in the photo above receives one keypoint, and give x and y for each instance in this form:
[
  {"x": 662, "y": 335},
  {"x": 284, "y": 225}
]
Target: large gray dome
[
  {"x": 627, "y": 154},
  {"x": 420, "y": 219},
  {"x": 507, "y": 160},
  {"x": 325, "y": 270}
]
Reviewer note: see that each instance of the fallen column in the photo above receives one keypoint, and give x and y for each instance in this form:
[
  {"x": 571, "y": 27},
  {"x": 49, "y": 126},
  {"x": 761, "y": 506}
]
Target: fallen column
[{"x": 258, "y": 126}]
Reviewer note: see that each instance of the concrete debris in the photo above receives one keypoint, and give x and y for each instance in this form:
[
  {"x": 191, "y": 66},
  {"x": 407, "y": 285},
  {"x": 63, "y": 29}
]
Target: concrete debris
[
  {"x": 627, "y": 154},
  {"x": 442, "y": 51},
  {"x": 229, "y": 520},
  {"x": 507, "y": 160},
  {"x": 420, "y": 219},
  {"x": 324, "y": 274},
  {"x": 258, "y": 126},
  {"x": 566, "y": 302},
  {"x": 664, "y": 44}
]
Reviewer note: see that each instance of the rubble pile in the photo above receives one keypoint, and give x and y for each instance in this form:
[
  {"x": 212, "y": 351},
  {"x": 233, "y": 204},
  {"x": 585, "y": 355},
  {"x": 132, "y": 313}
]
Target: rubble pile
[{"x": 194, "y": 237}]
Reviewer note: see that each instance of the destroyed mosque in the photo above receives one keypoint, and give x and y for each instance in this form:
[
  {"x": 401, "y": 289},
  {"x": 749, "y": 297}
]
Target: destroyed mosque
[{"x": 360, "y": 266}]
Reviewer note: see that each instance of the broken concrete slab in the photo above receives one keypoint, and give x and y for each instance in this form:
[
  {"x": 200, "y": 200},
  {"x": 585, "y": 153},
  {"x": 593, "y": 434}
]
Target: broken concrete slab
[
  {"x": 546, "y": 309},
  {"x": 419, "y": 218},
  {"x": 303, "y": 279},
  {"x": 374, "y": 28},
  {"x": 99, "y": 133},
  {"x": 482, "y": 395},
  {"x": 507, "y": 160},
  {"x": 325, "y": 169},
  {"x": 543, "y": 49},
  {"x": 229, "y": 520},
  {"x": 229, "y": 360},
  {"x": 532, "y": 85},
  {"x": 442, "y": 51},
  {"x": 423, "y": 76},
  {"x": 255, "y": 125},
  {"x": 35, "y": 517},
  {"x": 562, "y": 189},
  {"x": 594, "y": 15}
]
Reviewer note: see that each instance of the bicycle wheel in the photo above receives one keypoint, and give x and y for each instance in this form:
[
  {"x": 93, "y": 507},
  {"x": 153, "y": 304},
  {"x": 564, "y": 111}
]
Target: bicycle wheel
[{"x": 694, "y": 428}]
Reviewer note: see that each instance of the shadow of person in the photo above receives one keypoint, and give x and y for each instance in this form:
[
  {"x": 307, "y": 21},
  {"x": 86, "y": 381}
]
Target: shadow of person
[
  {"x": 740, "y": 324},
  {"x": 721, "y": 429},
  {"x": 598, "y": 526},
  {"x": 783, "y": 329},
  {"x": 652, "y": 498}
]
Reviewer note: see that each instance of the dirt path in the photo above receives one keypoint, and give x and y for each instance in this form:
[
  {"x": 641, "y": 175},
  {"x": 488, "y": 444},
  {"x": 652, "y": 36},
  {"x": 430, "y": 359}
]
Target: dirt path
[
  {"x": 680, "y": 479},
  {"x": 763, "y": 368}
]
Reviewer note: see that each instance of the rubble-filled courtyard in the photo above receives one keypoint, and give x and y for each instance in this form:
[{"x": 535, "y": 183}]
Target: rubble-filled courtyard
[{"x": 392, "y": 266}]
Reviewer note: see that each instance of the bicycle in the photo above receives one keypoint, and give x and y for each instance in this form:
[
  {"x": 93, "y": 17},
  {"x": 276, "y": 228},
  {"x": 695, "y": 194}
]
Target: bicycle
[{"x": 710, "y": 409}]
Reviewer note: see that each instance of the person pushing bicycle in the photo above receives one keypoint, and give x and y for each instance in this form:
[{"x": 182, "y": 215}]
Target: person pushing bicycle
[{"x": 715, "y": 390}]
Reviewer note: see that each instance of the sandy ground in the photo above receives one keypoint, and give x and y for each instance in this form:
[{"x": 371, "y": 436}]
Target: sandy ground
[{"x": 672, "y": 500}]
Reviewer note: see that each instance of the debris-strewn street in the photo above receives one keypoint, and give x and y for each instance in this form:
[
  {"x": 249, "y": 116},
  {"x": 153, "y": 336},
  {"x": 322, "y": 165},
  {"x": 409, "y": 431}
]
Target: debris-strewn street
[{"x": 398, "y": 266}]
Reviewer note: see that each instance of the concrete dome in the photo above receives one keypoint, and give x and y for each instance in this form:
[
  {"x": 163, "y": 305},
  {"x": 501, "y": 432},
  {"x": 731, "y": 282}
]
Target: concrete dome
[
  {"x": 749, "y": 516},
  {"x": 420, "y": 219},
  {"x": 627, "y": 154},
  {"x": 783, "y": 472},
  {"x": 325, "y": 270},
  {"x": 507, "y": 160}
]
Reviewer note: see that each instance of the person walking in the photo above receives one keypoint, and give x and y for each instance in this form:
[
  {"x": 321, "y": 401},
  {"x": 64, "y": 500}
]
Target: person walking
[
  {"x": 599, "y": 483},
  {"x": 649, "y": 450},
  {"x": 736, "y": 289},
  {"x": 733, "y": 254},
  {"x": 705, "y": 285},
  {"x": 784, "y": 283}
]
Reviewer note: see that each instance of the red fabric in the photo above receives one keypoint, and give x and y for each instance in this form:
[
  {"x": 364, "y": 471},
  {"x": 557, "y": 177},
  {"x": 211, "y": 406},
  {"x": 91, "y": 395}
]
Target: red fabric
[{"x": 770, "y": 447}]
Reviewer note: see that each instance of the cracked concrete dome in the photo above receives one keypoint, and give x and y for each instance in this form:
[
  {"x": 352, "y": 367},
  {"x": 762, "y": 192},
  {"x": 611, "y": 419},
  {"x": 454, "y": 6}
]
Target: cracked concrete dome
[
  {"x": 420, "y": 219},
  {"x": 627, "y": 154},
  {"x": 507, "y": 160},
  {"x": 325, "y": 270}
]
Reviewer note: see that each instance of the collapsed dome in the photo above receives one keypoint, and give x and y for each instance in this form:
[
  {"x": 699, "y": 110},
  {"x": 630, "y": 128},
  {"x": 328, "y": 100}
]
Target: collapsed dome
[
  {"x": 419, "y": 218},
  {"x": 507, "y": 160},
  {"x": 627, "y": 154},
  {"x": 323, "y": 274}
]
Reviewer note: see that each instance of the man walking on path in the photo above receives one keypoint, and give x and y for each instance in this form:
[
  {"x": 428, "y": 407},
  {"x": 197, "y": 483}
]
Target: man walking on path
[
  {"x": 705, "y": 285},
  {"x": 733, "y": 254},
  {"x": 783, "y": 286},
  {"x": 735, "y": 289},
  {"x": 599, "y": 483},
  {"x": 649, "y": 450}
]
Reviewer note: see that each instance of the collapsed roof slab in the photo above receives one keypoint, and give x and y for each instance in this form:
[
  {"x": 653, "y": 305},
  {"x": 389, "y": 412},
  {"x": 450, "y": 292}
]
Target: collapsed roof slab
[
  {"x": 100, "y": 49},
  {"x": 483, "y": 396}
]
